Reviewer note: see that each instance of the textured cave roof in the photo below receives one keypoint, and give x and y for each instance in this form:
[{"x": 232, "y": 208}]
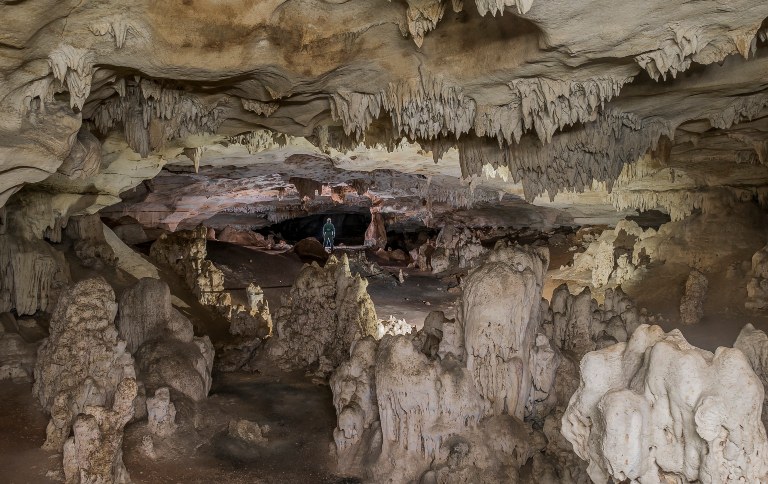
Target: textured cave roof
[{"x": 549, "y": 97}]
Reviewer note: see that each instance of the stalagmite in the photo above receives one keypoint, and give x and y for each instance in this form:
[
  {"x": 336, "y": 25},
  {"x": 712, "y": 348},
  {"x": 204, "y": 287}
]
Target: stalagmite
[
  {"x": 94, "y": 453},
  {"x": 637, "y": 417},
  {"x": 500, "y": 332},
  {"x": 161, "y": 413},
  {"x": 757, "y": 287},
  {"x": 162, "y": 340},
  {"x": 328, "y": 308},
  {"x": 692, "y": 303},
  {"x": 83, "y": 362}
]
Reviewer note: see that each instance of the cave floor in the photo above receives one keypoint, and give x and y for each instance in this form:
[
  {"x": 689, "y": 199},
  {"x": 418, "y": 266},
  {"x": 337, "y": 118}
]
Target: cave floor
[
  {"x": 299, "y": 414},
  {"x": 275, "y": 273}
]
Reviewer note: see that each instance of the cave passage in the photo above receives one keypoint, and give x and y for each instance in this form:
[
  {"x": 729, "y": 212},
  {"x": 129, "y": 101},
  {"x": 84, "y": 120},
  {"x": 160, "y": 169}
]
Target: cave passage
[{"x": 350, "y": 227}]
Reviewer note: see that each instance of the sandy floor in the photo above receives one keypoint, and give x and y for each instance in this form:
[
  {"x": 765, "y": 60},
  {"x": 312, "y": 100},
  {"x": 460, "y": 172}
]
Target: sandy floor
[{"x": 22, "y": 426}]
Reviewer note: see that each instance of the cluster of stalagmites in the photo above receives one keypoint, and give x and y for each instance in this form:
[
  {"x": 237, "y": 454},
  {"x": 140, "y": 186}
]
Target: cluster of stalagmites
[
  {"x": 448, "y": 403},
  {"x": 577, "y": 323},
  {"x": 326, "y": 310},
  {"x": 93, "y": 372},
  {"x": 86, "y": 379},
  {"x": 473, "y": 399}
]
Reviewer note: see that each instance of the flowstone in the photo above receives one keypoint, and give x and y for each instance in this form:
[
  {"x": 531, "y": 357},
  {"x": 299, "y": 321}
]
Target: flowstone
[
  {"x": 500, "y": 331},
  {"x": 656, "y": 409}
]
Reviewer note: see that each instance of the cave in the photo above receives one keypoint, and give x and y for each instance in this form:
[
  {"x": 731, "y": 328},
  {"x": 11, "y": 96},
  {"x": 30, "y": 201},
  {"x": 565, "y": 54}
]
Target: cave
[
  {"x": 550, "y": 242},
  {"x": 349, "y": 227}
]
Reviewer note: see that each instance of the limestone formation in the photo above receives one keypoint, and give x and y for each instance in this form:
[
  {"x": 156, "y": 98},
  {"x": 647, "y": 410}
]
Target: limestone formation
[
  {"x": 376, "y": 233},
  {"x": 577, "y": 323},
  {"x": 161, "y": 413},
  {"x": 17, "y": 349},
  {"x": 184, "y": 367},
  {"x": 451, "y": 123},
  {"x": 253, "y": 319},
  {"x": 327, "y": 309},
  {"x": 614, "y": 257},
  {"x": 247, "y": 431},
  {"x": 184, "y": 252},
  {"x": 500, "y": 332},
  {"x": 692, "y": 303},
  {"x": 637, "y": 417},
  {"x": 245, "y": 237},
  {"x": 90, "y": 244},
  {"x": 392, "y": 326},
  {"x": 31, "y": 275},
  {"x": 167, "y": 352},
  {"x": 455, "y": 248},
  {"x": 421, "y": 406},
  {"x": 754, "y": 344},
  {"x": 83, "y": 362},
  {"x": 94, "y": 453},
  {"x": 757, "y": 287}
]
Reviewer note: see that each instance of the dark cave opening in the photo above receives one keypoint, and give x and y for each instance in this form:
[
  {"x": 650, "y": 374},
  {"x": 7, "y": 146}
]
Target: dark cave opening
[{"x": 350, "y": 227}]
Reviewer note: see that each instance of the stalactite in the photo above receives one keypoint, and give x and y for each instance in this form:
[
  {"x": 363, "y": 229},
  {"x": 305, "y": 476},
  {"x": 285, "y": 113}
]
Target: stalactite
[
  {"x": 141, "y": 103},
  {"x": 73, "y": 67}
]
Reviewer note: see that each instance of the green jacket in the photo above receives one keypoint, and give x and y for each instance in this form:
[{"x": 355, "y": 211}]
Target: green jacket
[{"x": 329, "y": 230}]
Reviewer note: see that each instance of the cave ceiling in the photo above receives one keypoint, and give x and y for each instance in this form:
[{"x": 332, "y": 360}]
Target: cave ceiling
[{"x": 551, "y": 102}]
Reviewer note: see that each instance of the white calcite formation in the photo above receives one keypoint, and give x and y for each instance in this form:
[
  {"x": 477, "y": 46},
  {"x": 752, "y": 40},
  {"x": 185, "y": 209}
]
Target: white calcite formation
[
  {"x": 326, "y": 310},
  {"x": 656, "y": 409},
  {"x": 162, "y": 340},
  {"x": 83, "y": 361},
  {"x": 757, "y": 287},
  {"x": 446, "y": 404},
  {"x": 614, "y": 258},
  {"x": 500, "y": 332},
  {"x": 692, "y": 303}
]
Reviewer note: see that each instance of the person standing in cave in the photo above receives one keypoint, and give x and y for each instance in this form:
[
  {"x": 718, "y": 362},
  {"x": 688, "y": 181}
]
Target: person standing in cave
[{"x": 329, "y": 233}]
